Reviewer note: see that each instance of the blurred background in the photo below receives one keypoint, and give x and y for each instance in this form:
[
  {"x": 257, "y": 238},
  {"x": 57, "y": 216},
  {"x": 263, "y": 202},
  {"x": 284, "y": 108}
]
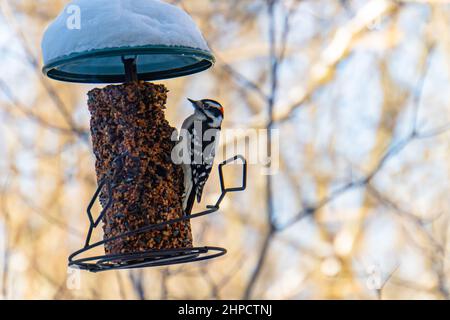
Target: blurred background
[{"x": 358, "y": 91}]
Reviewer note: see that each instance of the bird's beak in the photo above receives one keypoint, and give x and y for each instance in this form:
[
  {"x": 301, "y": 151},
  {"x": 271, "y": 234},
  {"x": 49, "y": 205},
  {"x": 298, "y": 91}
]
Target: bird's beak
[{"x": 195, "y": 103}]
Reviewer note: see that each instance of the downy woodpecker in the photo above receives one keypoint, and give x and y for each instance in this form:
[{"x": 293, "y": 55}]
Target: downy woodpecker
[{"x": 200, "y": 133}]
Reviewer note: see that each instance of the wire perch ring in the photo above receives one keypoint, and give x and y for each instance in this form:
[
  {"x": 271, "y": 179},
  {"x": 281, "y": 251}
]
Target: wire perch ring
[{"x": 151, "y": 258}]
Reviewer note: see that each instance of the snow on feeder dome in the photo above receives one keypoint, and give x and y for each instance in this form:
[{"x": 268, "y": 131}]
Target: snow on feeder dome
[
  {"x": 141, "y": 189},
  {"x": 89, "y": 39}
]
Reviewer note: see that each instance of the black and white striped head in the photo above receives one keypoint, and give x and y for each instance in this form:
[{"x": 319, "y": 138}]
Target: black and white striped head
[{"x": 211, "y": 110}]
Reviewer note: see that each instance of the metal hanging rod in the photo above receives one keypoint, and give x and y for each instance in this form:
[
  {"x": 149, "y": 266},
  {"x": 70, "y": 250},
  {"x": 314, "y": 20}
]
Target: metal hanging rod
[{"x": 130, "y": 66}]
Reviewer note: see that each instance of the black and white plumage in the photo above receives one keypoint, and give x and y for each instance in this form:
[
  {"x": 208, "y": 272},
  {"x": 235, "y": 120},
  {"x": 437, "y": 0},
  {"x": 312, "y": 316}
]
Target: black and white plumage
[{"x": 201, "y": 133}]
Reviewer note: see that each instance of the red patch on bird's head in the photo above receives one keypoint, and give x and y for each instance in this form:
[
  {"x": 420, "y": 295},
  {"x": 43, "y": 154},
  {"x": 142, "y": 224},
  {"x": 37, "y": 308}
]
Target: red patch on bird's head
[
  {"x": 222, "y": 110},
  {"x": 214, "y": 104}
]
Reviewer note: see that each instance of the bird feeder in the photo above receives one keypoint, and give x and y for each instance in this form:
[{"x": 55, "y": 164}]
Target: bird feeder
[{"x": 140, "y": 188}]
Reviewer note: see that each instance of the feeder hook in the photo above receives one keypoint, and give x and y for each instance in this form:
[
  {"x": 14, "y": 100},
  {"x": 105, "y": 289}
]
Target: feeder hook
[{"x": 130, "y": 69}]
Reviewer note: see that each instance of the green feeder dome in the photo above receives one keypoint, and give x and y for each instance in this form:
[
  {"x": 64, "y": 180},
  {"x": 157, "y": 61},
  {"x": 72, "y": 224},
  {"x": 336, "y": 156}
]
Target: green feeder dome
[{"x": 91, "y": 41}]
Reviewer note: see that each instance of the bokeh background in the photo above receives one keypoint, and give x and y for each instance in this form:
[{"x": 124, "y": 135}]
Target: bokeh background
[{"x": 359, "y": 93}]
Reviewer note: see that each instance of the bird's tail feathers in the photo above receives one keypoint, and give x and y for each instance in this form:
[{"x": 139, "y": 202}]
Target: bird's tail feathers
[{"x": 189, "y": 204}]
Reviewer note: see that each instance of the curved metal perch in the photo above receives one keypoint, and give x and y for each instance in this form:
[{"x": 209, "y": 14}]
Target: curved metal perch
[{"x": 151, "y": 258}]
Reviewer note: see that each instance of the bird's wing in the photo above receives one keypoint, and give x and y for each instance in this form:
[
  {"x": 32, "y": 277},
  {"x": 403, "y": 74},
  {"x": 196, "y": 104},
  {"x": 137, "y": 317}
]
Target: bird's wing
[{"x": 203, "y": 170}]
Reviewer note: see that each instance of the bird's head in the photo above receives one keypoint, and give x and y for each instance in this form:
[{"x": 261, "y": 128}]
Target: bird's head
[{"x": 211, "y": 109}]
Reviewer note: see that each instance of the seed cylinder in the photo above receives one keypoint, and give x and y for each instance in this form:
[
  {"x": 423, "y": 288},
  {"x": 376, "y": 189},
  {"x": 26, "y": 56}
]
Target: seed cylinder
[{"x": 132, "y": 143}]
